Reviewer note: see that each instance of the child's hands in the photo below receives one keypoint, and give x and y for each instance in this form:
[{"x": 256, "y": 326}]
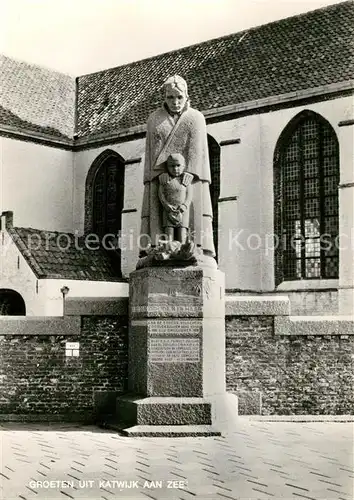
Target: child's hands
[
  {"x": 182, "y": 208},
  {"x": 175, "y": 216}
]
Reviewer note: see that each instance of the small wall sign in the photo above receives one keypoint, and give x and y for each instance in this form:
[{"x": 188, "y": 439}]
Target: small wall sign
[{"x": 72, "y": 349}]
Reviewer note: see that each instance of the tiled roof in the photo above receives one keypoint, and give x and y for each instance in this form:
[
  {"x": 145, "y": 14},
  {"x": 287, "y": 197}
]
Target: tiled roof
[
  {"x": 9, "y": 118},
  {"x": 297, "y": 53},
  {"x": 59, "y": 255},
  {"x": 36, "y": 98}
]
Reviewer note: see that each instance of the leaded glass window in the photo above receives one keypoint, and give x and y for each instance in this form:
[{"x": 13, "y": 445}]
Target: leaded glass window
[
  {"x": 108, "y": 196},
  {"x": 214, "y": 158},
  {"x": 308, "y": 196}
]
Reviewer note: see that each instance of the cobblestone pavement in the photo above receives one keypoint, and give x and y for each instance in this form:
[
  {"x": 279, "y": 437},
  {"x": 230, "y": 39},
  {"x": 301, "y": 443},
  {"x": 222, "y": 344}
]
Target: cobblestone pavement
[{"x": 258, "y": 460}]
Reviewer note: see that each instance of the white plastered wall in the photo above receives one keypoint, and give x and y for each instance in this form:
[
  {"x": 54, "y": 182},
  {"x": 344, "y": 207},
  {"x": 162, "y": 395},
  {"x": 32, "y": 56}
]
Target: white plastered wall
[
  {"x": 15, "y": 274},
  {"x": 246, "y": 226},
  {"x": 247, "y": 173},
  {"x": 346, "y": 218},
  {"x": 239, "y": 219},
  {"x": 133, "y": 193},
  {"x": 51, "y": 289},
  {"x": 43, "y": 297},
  {"x": 36, "y": 183}
]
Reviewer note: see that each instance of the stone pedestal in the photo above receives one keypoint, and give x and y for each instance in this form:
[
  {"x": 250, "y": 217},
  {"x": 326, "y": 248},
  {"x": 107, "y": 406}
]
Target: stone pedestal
[{"x": 176, "y": 350}]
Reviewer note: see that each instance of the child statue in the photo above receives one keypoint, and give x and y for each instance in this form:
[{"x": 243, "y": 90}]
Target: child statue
[{"x": 175, "y": 194}]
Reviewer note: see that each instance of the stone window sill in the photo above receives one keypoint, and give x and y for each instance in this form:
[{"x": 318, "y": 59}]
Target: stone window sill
[{"x": 306, "y": 285}]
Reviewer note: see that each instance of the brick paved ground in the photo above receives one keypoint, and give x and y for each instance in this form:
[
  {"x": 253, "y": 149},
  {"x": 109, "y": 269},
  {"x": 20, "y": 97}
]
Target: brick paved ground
[{"x": 258, "y": 460}]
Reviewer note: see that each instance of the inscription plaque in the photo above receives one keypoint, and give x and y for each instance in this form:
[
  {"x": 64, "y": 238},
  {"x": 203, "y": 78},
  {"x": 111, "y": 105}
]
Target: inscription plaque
[
  {"x": 166, "y": 309},
  {"x": 175, "y": 327},
  {"x": 174, "y": 350}
]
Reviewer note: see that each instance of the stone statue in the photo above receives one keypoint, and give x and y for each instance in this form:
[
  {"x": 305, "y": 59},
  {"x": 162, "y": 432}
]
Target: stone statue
[
  {"x": 177, "y": 132},
  {"x": 175, "y": 193}
]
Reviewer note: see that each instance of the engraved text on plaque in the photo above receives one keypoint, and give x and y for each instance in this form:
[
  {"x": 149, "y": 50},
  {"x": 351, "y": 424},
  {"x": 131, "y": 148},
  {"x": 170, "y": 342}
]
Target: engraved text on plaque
[{"x": 174, "y": 350}]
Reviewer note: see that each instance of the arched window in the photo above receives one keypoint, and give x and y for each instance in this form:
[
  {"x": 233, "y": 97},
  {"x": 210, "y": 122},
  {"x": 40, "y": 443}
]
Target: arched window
[
  {"x": 108, "y": 197},
  {"x": 306, "y": 199},
  {"x": 214, "y": 158},
  {"x": 104, "y": 199},
  {"x": 104, "y": 195},
  {"x": 11, "y": 303}
]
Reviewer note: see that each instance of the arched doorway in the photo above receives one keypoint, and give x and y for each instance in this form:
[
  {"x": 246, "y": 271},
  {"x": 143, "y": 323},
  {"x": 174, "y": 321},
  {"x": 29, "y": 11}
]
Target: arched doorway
[
  {"x": 306, "y": 177},
  {"x": 214, "y": 159},
  {"x": 11, "y": 303}
]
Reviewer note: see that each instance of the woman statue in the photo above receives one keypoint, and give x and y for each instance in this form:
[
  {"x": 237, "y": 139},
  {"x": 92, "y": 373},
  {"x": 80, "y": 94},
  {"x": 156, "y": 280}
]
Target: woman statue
[{"x": 176, "y": 128}]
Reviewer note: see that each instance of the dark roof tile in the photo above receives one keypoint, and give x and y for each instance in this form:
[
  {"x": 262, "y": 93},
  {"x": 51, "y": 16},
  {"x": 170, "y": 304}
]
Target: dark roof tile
[
  {"x": 48, "y": 260},
  {"x": 292, "y": 54},
  {"x": 36, "y": 98},
  {"x": 9, "y": 118}
]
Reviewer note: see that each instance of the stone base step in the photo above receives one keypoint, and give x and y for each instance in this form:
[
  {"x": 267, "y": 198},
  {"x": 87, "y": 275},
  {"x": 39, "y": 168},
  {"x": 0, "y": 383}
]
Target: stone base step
[
  {"x": 163, "y": 430},
  {"x": 163, "y": 411}
]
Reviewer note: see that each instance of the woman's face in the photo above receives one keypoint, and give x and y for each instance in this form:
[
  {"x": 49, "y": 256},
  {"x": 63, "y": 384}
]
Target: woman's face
[{"x": 175, "y": 99}]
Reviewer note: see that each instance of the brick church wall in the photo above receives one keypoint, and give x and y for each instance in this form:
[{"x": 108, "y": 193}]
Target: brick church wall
[
  {"x": 38, "y": 379},
  {"x": 295, "y": 374}
]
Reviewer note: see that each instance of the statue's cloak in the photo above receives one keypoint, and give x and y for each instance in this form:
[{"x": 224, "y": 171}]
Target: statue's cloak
[{"x": 188, "y": 137}]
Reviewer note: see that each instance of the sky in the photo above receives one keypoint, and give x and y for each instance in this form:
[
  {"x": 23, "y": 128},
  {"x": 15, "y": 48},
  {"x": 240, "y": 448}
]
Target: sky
[{"x": 83, "y": 36}]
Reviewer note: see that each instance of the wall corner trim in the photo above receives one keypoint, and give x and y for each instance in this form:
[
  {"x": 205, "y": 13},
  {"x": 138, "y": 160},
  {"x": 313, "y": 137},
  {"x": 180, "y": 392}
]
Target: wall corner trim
[
  {"x": 40, "y": 325},
  {"x": 346, "y": 123},
  {"x": 97, "y": 306},
  {"x": 346, "y": 185},
  {"x": 228, "y": 198},
  {"x": 253, "y": 305},
  {"x": 230, "y": 142},
  {"x": 132, "y": 161},
  {"x": 313, "y": 325},
  {"x": 129, "y": 210}
]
